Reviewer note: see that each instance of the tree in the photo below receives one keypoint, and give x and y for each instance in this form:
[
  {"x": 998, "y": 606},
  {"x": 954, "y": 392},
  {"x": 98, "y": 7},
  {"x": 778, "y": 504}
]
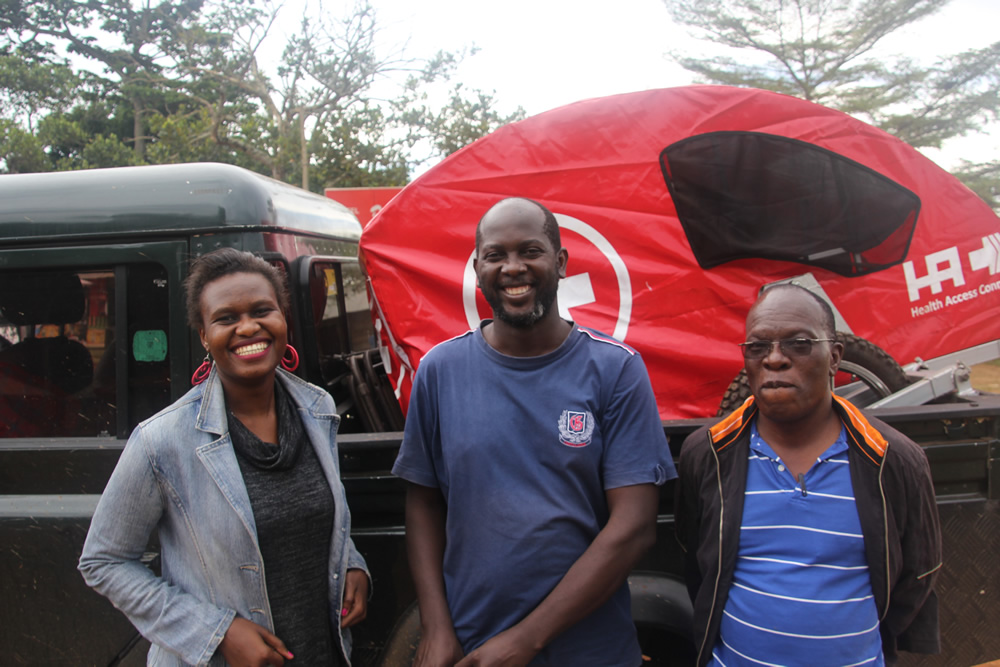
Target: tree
[
  {"x": 983, "y": 179},
  {"x": 28, "y": 87},
  {"x": 129, "y": 40},
  {"x": 354, "y": 151},
  {"x": 339, "y": 108},
  {"x": 20, "y": 151},
  {"x": 85, "y": 138},
  {"x": 825, "y": 51},
  {"x": 463, "y": 120},
  {"x": 193, "y": 80},
  {"x": 184, "y": 135}
]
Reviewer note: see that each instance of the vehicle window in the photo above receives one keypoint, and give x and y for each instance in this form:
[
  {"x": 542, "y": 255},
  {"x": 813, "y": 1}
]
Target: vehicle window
[
  {"x": 324, "y": 289},
  {"x": 60, "y": 351},
  {"x": 148, "y": 372},
  {"x": 57, "y": 365},
  {"x": 359, "y": 318},
  {"x": 746, "y": 194}
]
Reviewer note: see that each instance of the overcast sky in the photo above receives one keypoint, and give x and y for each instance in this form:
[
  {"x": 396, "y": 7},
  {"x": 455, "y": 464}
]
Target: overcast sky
[{"x": 541, "y": 54}]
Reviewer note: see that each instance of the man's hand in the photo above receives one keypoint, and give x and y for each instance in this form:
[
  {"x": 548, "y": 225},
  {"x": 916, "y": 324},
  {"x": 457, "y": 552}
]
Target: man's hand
[
  {"x": 425, "y": 517},
  {"x": 247, "y": 644},
  {"x": 438, "y": 651},
  {"x": 355, "y": 598},
  {"x": 503, "y": 650}
]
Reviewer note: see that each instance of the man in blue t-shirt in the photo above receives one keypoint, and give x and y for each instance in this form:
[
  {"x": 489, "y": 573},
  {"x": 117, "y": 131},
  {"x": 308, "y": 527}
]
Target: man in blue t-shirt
[{"x": 533, "y": 448}]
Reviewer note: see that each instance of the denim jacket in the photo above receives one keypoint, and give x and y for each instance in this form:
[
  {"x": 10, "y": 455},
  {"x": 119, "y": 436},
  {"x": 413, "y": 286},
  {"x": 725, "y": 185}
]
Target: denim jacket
[{"x": 178, "y": 475}]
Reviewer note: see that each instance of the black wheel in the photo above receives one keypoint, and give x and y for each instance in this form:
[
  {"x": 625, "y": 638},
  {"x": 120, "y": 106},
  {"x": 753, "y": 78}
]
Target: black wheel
[
  {"x": 863, "y": 360},
  {"x": 866, "y": 361},
  {"x": 737, "y": 392}
]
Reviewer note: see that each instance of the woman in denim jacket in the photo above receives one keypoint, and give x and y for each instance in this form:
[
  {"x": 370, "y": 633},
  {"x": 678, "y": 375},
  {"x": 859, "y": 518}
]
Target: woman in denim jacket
[{"x": 241, "y": 482}]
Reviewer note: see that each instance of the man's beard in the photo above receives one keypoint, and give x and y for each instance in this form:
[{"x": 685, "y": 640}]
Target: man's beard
[{"x": 544, "y": 298}]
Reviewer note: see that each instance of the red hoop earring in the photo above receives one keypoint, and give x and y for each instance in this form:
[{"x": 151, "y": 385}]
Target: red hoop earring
[
  {"x": 290, "y": 364},
  {"x": 202, "y": 371}
]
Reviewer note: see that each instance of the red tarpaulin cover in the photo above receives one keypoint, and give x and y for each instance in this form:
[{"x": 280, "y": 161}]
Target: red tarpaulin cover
[{"x": 676, "y": 206}]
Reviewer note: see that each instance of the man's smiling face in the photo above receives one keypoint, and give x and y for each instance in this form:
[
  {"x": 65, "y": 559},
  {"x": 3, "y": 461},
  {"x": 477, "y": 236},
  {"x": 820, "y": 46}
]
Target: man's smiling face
[{"x": 517, "y": 268}]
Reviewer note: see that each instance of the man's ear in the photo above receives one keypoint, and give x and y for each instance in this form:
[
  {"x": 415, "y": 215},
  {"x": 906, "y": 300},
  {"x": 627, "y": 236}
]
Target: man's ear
[
  {"x": 562, "y": 258},
  {"x": 836, "y": 355},
  {"x": 475, "y": 269}
]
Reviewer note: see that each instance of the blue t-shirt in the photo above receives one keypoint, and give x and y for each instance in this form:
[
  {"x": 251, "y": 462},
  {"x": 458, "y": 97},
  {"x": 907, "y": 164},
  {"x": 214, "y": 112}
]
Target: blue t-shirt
[
  {"x": 801, "y": 591},
  {"x": 523, "y": 450}
]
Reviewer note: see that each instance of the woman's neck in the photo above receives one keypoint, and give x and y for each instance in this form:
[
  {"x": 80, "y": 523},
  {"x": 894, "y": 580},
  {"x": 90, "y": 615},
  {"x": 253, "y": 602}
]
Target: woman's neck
[{"x": 255, "y": 407}]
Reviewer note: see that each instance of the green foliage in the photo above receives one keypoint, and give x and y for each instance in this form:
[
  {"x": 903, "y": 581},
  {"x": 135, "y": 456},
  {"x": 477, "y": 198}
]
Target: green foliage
[
  {"x": 983, "y": 179},
  {"x": 88, "y": 136},
  {"x": 63, "y": 137},
  {"x": 464, "y": 120},
  {"x": 354, "y": 151},
  {"x": 100, "y": 151},
  {"x": 20, "y": 151},
  {"x": 185, "y": 136},
  {"x": 824, "y": 51},
  {"x": 28, "y": 87},
  {"x": 819, "y": 50},
  {"x": 959, "y": 95},
  {"x": 129, "y": 42},
  {"x": 119, "y": 82}
]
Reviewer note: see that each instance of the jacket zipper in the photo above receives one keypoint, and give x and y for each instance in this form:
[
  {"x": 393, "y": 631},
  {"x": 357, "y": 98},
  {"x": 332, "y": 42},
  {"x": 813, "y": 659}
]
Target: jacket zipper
[
  {"x": 885, "y": 537},
  {"x": 718, "y": 566}
]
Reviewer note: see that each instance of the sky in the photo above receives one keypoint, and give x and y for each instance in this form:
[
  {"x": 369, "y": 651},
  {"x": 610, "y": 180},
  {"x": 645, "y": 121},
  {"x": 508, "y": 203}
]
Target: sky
[{"x": 542, "y": 54}]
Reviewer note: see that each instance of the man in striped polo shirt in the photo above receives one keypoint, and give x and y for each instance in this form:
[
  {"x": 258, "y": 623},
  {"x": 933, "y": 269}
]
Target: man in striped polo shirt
[{"x": 811, "y": 531}]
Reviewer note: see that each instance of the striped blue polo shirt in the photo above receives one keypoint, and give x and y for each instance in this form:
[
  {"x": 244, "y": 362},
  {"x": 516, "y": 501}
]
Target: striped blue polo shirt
[{"x": 801, "y": 593}]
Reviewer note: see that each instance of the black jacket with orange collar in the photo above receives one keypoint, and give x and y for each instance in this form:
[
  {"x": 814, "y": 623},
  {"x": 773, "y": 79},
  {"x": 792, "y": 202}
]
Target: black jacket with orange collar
[{"x": 895, "y": 500}]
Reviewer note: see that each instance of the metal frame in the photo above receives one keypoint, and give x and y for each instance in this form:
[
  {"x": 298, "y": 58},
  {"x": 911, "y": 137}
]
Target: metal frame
[{"x": 947, "y": 375}]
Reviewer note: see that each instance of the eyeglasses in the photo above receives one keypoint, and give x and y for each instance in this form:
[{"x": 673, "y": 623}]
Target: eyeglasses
[{"x": 790, "y": 347}]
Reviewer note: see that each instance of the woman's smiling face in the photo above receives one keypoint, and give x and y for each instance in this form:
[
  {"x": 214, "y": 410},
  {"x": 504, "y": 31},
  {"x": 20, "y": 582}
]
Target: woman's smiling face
[{"x": 243, "y": 327}]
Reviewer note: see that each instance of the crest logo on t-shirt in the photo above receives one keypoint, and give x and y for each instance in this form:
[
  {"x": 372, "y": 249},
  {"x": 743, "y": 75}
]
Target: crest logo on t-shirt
[{"x": 575, "y": 428}]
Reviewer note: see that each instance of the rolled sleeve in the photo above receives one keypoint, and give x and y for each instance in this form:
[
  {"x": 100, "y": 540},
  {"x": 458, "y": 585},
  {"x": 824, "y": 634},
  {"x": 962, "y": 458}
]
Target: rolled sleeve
[{"x": 163, "y": 613}]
